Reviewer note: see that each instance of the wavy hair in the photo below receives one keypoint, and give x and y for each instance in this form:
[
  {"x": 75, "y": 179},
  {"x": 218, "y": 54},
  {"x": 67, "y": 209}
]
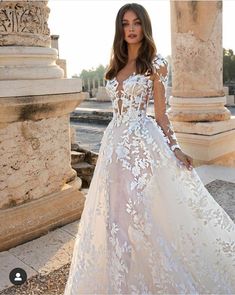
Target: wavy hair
[{"x": 119, "y": 52}]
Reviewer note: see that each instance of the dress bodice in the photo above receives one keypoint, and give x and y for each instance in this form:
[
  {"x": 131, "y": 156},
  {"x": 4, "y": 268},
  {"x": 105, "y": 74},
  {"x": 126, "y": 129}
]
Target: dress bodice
[{"x": 131, "y": 100}]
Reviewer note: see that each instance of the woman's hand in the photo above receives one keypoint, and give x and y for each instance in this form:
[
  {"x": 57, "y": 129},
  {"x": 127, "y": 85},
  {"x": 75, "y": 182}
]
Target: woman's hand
[{"x": 185, "y": 159}]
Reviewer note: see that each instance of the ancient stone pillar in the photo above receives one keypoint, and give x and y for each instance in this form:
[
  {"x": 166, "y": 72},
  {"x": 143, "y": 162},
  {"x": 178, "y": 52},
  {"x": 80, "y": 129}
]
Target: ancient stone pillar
[
  {"x": 39, "y": 190},
  {"x": 55, "y": 43},
  {"x": 89, "y": 84},
  {"x": 60, "y": 62},
  {"x": 204, "y": 126}
]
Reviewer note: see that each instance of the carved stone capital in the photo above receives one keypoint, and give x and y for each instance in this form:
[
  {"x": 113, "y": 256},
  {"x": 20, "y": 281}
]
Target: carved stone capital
[{"x": 24, "y": 23}]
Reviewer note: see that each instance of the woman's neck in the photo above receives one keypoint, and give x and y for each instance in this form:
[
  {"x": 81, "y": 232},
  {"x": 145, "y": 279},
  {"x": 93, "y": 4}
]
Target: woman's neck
[{"x": 133, "y": 52}]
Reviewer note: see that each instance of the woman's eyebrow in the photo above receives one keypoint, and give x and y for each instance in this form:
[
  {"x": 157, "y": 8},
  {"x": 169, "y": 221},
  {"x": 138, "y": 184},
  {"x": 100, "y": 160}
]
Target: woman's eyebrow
[{"x": 133, "y": 19}]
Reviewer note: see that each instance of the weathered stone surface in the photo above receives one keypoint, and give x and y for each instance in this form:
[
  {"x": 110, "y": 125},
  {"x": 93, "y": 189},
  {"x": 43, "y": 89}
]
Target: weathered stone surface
[
  {"x": 38, "y": 186},
  {"x": 196, "y": 28},
  {"x": 90, "y": 156},
  {"x": 230, "y": 100},
  {"x": 198, "y": 109},
  {"x": 34, "y": 160},
  {"x": 225, "y": 160},
  {"x": 197, "y": 83},
  {"x": 77, "y": 157},
  {"x": 30, "y": 220},
  {"x": 197, "y": 62},
  {"x": 24, "y": 23},
  {"x": 204, "y": 128},
  {"x": 83, "y": 168},
  {"x": 72, "y": 134},
  {"x": 28, "y": 63},
  {"x": 63, "y": 65},
  {"x": 85, "y": 172},
  {"x": 13, "y": 88},
  {"x": 37, "y": 107},
  {"x": 213, "y": 149}
]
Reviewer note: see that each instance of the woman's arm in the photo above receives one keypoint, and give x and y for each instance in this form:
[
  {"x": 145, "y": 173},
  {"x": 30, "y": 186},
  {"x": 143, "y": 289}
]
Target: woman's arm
[
  {"x": 161, "y": 117},
  {"x": 159, "y": 95}
]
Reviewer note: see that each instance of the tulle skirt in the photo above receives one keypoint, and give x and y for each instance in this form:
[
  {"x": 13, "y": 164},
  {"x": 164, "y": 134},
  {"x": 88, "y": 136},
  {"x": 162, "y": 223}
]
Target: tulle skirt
[{"x": 149, "y": 226}]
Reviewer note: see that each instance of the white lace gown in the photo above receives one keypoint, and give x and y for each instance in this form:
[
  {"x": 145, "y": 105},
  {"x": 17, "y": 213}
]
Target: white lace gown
[{"x": 149, "y": 226}]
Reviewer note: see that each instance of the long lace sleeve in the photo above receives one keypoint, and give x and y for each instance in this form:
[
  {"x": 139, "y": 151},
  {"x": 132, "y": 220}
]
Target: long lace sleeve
[{"x": 159, "y": 93}]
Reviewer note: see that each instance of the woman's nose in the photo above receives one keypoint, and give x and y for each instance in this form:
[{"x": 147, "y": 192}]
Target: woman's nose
[{"x": 132, "y": 27}]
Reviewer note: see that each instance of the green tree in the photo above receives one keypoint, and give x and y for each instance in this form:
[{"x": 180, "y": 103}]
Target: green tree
[
  {"x": 228, "y": 65},
  {"x": 96, "y": 74}
]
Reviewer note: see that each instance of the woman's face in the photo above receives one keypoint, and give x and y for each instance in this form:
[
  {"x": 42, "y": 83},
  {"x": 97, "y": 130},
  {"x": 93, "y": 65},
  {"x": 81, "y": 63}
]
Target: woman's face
[{"x": 132, "y": 28}]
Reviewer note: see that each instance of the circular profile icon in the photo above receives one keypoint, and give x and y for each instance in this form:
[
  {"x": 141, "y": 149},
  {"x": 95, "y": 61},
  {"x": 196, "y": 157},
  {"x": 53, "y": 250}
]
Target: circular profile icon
[{"x": 18, "y": 276}]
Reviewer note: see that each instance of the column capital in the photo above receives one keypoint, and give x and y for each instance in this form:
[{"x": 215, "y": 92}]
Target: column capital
[{"x": 24, "y": 23}]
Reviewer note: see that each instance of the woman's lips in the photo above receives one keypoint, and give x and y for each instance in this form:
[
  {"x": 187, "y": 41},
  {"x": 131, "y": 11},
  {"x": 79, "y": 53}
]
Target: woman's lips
[{"x": 132, "y": 36}]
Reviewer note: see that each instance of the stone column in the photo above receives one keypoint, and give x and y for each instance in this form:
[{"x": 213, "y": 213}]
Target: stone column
[
  {"x": 60, "y": 62},
  {"x": 197, "y": 93},
  {"x": 203, "y": 125},
  {"x": 39, "y": 190},
  {"x": 89, "y": 84},
  {"x": 55, "y": 43}
]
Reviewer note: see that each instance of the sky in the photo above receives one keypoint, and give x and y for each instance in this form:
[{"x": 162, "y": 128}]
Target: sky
[{"x": 86, "y": 29}]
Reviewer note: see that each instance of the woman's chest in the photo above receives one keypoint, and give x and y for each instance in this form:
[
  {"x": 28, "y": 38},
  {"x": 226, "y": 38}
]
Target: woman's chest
[{"x": 135, "y": 87}]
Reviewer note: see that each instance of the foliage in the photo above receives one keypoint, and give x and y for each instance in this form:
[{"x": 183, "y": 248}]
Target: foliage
[
  {"x": 92, "y": 74},
  {"x": 228, "y": 65},
  {"x": 97, "y": 73}
]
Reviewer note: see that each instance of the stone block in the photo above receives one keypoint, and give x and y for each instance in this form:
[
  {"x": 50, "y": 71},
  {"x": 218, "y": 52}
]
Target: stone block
[
  {"x": 77, "y": 157},
  {"x": 36, "y": 218}
]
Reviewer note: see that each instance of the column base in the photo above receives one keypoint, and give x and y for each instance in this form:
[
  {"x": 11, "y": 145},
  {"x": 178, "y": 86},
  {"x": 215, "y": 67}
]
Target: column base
[
  {"x": 31, "y": 220},
  {"x": 208, "y": 143},
  {"x": 198, "y": 109}
]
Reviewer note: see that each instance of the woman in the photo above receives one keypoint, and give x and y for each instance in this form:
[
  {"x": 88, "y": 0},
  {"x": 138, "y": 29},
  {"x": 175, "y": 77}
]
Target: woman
[{"x": 149, "y": 226}]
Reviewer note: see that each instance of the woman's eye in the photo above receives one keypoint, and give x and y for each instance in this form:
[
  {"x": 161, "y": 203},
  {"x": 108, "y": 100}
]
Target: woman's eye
[{"x": 126, "y": 24}]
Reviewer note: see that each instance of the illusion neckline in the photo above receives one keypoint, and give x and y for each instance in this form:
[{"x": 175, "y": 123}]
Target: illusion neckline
[{"x": 128, "y": 77}]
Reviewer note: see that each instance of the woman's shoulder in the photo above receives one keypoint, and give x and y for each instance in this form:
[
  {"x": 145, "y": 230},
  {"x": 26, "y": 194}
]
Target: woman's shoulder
[
  {"x": 159, "y": 61},
  {"x": 160, "y": 69}
]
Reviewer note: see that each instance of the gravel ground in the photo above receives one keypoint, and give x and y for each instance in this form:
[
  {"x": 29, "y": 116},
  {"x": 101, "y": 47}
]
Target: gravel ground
[{"x": 51, "y": 284}]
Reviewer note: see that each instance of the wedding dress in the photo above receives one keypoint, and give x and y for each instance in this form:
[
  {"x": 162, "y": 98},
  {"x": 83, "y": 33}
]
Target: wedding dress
[{"x": 149, "y": 226}]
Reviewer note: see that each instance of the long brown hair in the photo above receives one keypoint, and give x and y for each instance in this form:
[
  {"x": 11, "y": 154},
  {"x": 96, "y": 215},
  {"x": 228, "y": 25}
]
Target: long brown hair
[{"x": 119, "y": 54}]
